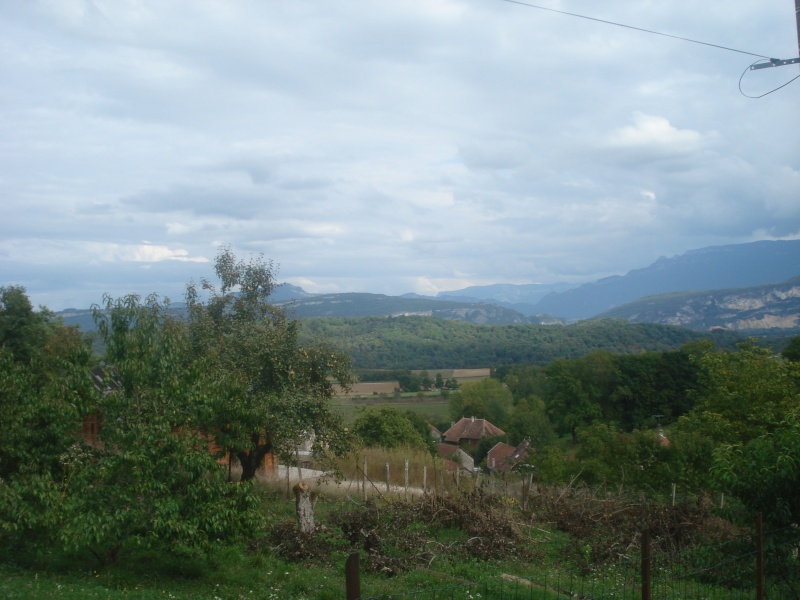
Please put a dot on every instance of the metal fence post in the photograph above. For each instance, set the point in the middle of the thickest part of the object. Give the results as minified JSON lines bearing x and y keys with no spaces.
{"x":759,"y":557}
{"x":352,"y":577}
{"x":646,"y":565}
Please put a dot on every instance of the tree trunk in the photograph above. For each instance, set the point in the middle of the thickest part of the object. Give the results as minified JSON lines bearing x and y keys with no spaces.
{"x":304,"y":505}
{"x":251,"y":460}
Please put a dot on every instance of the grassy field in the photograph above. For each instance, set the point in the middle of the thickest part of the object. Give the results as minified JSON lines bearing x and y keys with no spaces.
{"x":567,"y":545}
{"x":244,"y":572}
{"x":431,"y":405}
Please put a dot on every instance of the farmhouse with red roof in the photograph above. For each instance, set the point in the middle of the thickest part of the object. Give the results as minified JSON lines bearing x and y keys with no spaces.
{"x":470,"y":431}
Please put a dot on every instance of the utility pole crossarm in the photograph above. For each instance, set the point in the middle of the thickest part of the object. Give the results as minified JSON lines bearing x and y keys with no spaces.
{"x":775,"y":62}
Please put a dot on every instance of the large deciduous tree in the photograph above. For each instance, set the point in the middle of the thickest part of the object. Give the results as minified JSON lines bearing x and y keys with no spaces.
{"x":152,"y":481}
{"x":573,"y":400}
{"x":750,"y":408}
{"x":269,"y":393}
{"x":742,"y":395}
{"x":487,"y":399}
{"x":45,"y":389}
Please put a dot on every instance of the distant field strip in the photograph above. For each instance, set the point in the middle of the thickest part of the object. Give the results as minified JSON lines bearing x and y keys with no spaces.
{"x":360,"y":389}
{"x":460,"y":374}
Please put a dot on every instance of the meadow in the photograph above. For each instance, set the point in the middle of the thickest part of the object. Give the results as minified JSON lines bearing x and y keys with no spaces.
{"x":508,"y":537}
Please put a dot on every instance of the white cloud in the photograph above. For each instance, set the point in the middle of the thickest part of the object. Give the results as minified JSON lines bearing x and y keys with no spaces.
{"x":653,"y":131}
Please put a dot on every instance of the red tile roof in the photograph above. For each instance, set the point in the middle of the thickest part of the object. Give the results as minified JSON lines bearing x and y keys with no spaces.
{"x":471,"y":429}
{"x":447,"y":450}
{"x":498,"y":454}
{"x":503,"y":457}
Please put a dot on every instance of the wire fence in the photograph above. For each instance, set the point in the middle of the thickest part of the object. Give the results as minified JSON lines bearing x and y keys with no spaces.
{"x":757,"y":565}
{"x":748,"y":567}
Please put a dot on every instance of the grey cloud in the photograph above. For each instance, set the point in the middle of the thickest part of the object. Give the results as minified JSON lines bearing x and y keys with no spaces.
{"x":200,"y":202}
{"x":369,"y":146}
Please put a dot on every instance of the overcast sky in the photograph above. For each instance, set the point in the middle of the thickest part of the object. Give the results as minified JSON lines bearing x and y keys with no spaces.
{"x":388,"y":147}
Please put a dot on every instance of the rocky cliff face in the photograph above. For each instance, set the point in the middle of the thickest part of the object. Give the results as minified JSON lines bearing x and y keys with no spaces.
{"x":772,"y":306}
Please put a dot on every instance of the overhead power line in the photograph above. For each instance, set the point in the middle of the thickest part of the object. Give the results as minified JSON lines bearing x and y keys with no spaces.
{"x":676,"y":37}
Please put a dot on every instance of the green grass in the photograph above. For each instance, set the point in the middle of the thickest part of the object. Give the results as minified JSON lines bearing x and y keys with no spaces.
{"x":230,"y":573}
{"x":433,"y":407}
{"x":239,"y":572}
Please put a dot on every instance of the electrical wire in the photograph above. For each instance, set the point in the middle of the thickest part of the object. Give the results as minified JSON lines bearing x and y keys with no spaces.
{"x":561,"y":12}
{"x":765,"y":93}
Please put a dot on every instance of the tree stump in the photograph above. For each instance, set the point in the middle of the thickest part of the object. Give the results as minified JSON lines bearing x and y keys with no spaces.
{"x":304,"y":507}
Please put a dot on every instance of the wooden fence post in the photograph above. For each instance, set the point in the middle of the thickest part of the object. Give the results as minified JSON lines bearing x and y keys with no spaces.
{"x":406,"y":478}
{"x":646,"y":565}
{"x":425,"y":479}
{"x":365,"y":478}
{"x":759,"y":557}
{"x":387,"y":477}
{"x":352,"y":577}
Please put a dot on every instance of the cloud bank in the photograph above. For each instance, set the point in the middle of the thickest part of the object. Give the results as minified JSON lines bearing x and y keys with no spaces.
{"x":385,"y":147}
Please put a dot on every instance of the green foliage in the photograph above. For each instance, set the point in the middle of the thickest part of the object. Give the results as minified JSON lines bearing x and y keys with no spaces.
{"x":45,"y":390}
{"x":529,"y":421}
{"x":22,"y":330}
{"x":749,"y":411}
{"x":152,"y":482}
{"x":611,"y":457}
{"x":765,"y":471}
{"x":626,"y":389}
{"x":428,"y":343}
{"x":792,"y":350}
{"x":487,"y":399}
{"x":645,"y":385}
{"x":573,"y":401}
{"x":742,"y":395}
{"x":387,"y":427}
{"x":550,"y":466}
{"x":269,"y":393}
{"x":408,"y":381}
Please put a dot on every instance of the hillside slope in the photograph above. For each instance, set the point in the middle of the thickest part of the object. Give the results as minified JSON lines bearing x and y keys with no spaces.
{"x":764,"y":307}
{"x":363,"y":305}
{"x":425,"y":343}
{"x":713,"y":268}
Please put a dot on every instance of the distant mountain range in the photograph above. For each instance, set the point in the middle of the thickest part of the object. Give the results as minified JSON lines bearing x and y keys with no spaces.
{"x":771,"y":306}
{"x":753,"y":286}
{"x":713,"y":268}
{"x":521,"y":298}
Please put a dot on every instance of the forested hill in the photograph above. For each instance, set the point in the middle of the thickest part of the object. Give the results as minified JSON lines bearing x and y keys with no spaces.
{"x":362,"y":305}
{"x":427,"y":343}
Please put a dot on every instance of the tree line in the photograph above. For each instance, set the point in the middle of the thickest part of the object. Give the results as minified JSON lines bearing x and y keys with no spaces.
{"x":411,"y":342}
{"x":702,"y":418}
